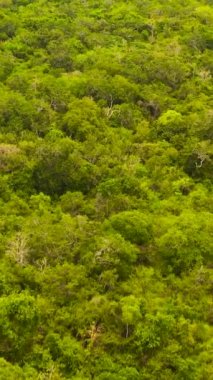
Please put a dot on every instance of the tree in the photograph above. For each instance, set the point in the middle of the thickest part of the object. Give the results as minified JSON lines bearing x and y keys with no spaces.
{"x":18,"y":323}
{"x":133,"y":226}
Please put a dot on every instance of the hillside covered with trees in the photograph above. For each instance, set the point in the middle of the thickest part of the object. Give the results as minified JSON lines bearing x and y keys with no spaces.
{"x":106,"y":189}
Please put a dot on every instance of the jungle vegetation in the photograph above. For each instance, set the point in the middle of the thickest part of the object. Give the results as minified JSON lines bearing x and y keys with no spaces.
{"x":106,"y":189}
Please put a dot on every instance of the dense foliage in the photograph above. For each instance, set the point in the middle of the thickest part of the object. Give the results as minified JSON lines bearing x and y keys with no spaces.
{"x":105,"y":189}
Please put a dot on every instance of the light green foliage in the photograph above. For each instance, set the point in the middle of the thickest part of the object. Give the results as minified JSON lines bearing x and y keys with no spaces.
{"x":106,"y":189}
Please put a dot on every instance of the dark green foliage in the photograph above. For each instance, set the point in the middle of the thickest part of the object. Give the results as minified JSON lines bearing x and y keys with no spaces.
{"x":133,"y":226}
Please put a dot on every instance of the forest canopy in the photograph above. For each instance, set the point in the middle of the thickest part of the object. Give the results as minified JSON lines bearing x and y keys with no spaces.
{"x":106,"y":189}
